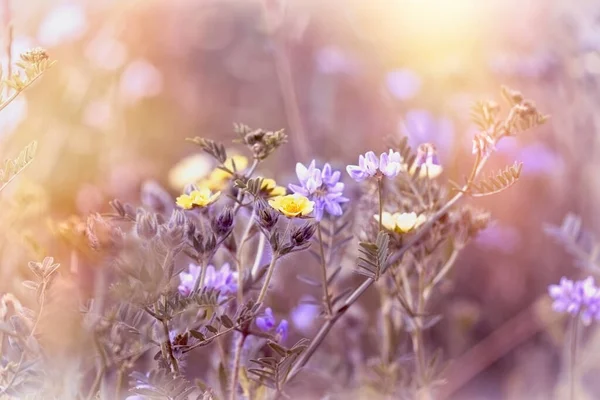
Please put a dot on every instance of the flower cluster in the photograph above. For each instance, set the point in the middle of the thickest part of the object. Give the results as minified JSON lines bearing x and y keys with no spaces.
{"x":225,"y":280}
{"x":389,"y":164}
{"x":323,"y":187}
{"x":266,"y":323}
{"x":401,"y":222}
{"x":578,"y":298}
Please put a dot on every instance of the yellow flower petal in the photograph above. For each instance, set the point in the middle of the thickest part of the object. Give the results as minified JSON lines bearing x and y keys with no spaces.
{"x":405,"y":221}
{"x":202,"y":197}
{"x":191,"y":169}
{"x":387,"y":220}
{"x":293,"y":205}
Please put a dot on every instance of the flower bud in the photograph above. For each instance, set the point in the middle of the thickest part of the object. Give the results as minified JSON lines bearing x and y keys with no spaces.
{"x":146,"y":224}
{"x":302,"y":234}
{"x":266,"y":216}
{"x":223,"y":223}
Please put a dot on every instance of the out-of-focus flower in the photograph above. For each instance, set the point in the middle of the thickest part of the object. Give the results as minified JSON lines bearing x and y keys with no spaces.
{"x":292,"y":205}
{"x":66,"y":22}
{"x":501,"y":238}
{"x":332,"y":60}
{"x":140,"y":80}
{"x":420,"y":126}
{"x":98,"y":115}
{"x":305,"y":314}
{"x":579,"y":298}
{"x":12,"y":115}
{"x":188,"y":279}
{"x":389,"y":164}
{"x":403,"y":84}
{"x":219,"y":178}
{"x":323,"y":187}
{"x":282,"y":330}
{"x":202,"y":197}
{"x":539,"y":159}
{"x":401,"y":222}
{"x":270,"y":189}
{"x":266,"y":322}
{"x":106,"y":52}
{"x":191,"y":169}
{"x":428,"y":161}
{"x":224,"y":280}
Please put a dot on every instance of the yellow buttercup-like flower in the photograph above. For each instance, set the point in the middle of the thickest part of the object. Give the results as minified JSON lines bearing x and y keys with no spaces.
{"x":292,"y":205}
{"x":401,"y":222}
{"x":270,"y":188}
{"x":198,"y":198}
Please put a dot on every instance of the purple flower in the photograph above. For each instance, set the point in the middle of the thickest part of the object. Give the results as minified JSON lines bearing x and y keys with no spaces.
{"x":282,"y":330}
{"x":427,"y":160}
{"x":266,"y":322}
{"x":224,"y":279}
{"x":421,"y":126}
{"x":187,"y":279}
{"x":321,"y":186}
{"x":389,"y":164}
{"x":579,"y":298}
{"x":403,"y":84}
{"x":304,"y":315}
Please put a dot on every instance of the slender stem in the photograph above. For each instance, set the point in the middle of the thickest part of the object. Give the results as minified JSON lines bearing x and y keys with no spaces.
{"x":417,"y":341}
{"x":101,"y":369}
{"x":326,"y":298}
{"x":119,"y":382}
{"x":169,"y":348}
{"x":259,"y":254}
{"x":265,"y":286}
{"x":240,"y":255}
{"x":200,"y":281}
{"x":380,"y":193}
{"x":574,"y":339}
{"x":442,"y":274}
{"x":240,"y":196}
{"x":237,"y":355}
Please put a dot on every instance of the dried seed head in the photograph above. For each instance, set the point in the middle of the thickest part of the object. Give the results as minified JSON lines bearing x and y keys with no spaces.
{"x":34,"y":55}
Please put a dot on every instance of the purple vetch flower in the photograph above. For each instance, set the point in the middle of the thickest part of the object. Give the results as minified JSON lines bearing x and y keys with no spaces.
{"x":321,"y":186}
{"x":540,"y":159}
{"x":266,"y":322}
{"x":225,"y":280}
{"x":187,"y":279}
{"x":427,"y":159}
{"x":282,"y":330}
{"x":389,"y":164}
{"x":578,"y":298}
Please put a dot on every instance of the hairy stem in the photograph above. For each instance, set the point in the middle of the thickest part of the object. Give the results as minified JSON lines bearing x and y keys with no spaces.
{"x":237,"y":355}
{"x":326,"y":299}
{"x":169,"y":348}
{"x":119,"y":382}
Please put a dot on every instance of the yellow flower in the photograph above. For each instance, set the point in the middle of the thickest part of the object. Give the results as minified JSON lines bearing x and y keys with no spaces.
{"x":428,"y":170}
{"x":241,"y":163}
{"x":401,"y":222}
{"x":270,"y":188}
{"x":189,"y":170}
{"x":198,"y":198}
{"x":292,"y":205}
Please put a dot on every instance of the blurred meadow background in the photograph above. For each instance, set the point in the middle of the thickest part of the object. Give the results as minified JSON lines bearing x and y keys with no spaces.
{"x":134,"y":79}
